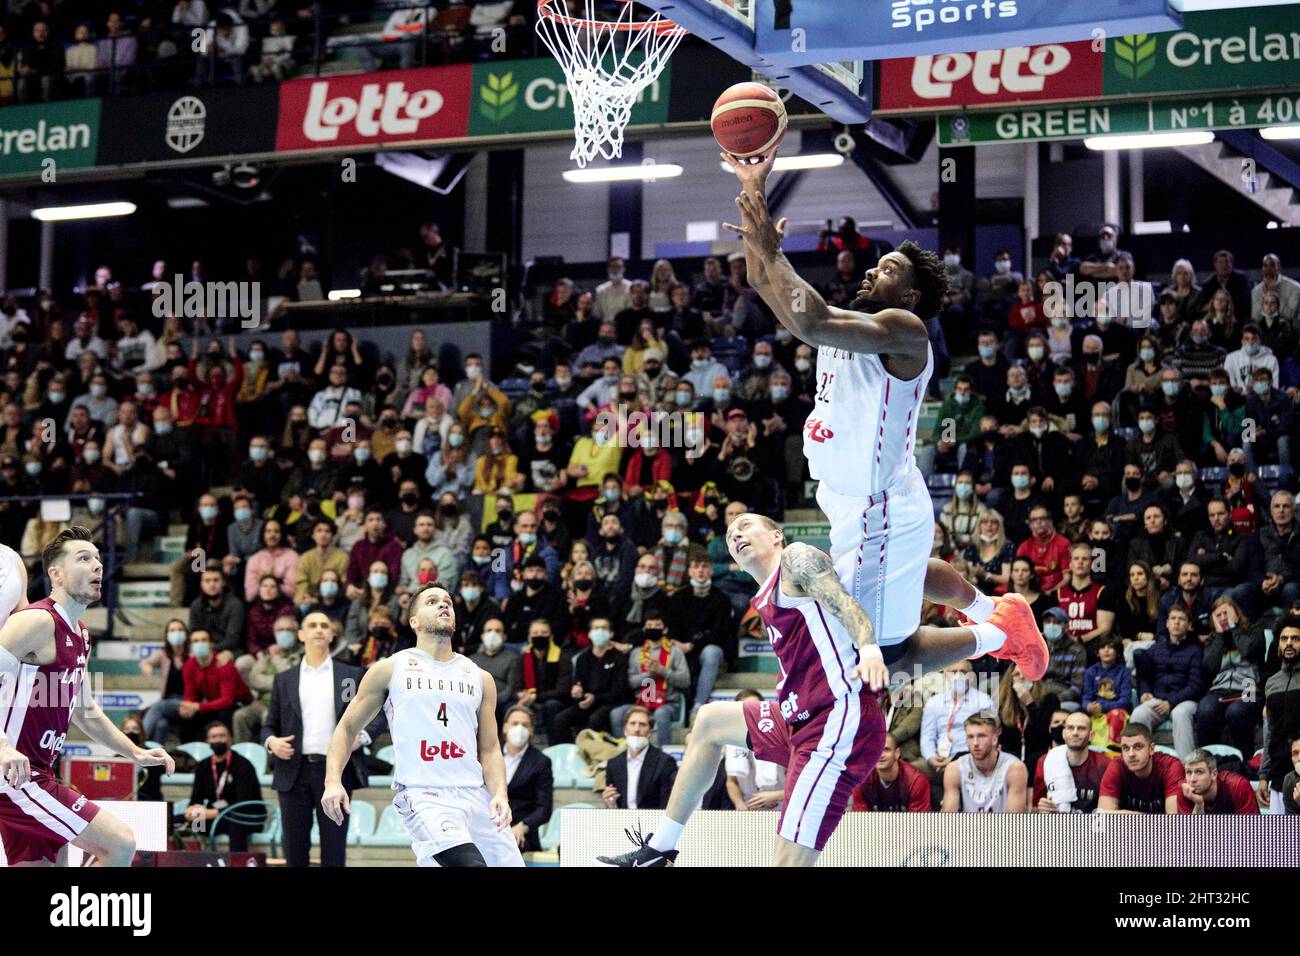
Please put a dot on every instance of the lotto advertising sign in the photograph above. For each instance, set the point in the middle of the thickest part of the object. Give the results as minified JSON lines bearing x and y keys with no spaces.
{"x":1251,"y":48}
{"x":375,"y":109}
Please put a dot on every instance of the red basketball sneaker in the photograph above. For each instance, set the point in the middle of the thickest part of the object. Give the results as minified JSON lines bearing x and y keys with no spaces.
{"x":1024,"y":644}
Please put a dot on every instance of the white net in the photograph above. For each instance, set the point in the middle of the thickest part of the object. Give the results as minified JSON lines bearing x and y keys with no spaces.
{"x":609,"y":57}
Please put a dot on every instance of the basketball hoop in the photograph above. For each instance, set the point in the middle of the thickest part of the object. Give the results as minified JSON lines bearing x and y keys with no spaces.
{"x":607,"y":64}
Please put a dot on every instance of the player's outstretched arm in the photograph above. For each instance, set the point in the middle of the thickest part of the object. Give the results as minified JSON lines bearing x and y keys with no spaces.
{"x":489,"y":753}
{"x":94,"y":723}
{"x":801,"y":307}
{"x":811,"y":571}
{"x":360,"y":711}
{"x":25,"y":638}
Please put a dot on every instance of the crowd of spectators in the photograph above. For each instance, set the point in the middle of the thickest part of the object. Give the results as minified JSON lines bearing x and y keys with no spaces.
{"x":1131,"y":479}
{"x":57,"y":49}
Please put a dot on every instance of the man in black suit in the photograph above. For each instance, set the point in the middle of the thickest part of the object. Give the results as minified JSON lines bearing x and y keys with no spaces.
{"x":306,"y":703}
{"x":529,"y":780}
{"x":641,"y":777}
{"x":222,"y":781}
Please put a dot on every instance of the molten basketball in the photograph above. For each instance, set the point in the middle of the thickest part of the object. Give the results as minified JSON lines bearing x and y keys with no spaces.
{"x":748,"y":120}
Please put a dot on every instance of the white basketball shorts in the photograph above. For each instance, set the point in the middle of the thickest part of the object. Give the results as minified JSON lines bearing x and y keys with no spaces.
{"x":881,"y":545}
{"x":440,"y":819}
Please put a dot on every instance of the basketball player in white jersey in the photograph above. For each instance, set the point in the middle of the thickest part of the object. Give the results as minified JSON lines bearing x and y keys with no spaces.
{"x":448,"y":770}
{"x":873,"y":364}
{"x":13,"y":583}
{"x":984,"y":779}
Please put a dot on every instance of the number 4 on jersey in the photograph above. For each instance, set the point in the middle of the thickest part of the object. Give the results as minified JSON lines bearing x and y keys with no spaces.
{"x":442,"y":714}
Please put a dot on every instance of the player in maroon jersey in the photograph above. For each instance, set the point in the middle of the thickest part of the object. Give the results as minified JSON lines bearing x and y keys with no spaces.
{"x":44,"y":650}
{"x":1142,"y":780}
{"x":1086,"y":766}
{"x":893,"y":785}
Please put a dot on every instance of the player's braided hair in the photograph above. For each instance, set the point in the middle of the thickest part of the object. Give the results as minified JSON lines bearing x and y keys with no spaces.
{"x":928,"y":278}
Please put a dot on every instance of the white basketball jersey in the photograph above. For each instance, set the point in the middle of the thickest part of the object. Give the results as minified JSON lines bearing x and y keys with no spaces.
{"x":980,"y":793}
{"x":861,"y":436}
{"x":432,"y":711}
{"x":11,"y":582}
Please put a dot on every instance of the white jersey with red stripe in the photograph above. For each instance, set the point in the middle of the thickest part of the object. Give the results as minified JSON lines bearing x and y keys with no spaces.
{"x":432,"y":711}
{"x":861,"y":436}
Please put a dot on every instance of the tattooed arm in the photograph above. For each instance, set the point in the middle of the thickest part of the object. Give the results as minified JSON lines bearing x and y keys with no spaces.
{"x":809,"y":571}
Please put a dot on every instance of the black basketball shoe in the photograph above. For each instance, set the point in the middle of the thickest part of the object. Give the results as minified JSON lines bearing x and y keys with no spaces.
{"x":643,"y":856}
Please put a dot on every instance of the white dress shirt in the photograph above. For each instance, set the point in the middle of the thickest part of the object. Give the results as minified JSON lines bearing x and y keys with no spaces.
{"x":316,"y":699}
{"x":634,"y":765}
{"x":512,"y":762}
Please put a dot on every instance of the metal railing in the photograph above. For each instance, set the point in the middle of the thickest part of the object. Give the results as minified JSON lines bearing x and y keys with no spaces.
{"x":115,"y":505}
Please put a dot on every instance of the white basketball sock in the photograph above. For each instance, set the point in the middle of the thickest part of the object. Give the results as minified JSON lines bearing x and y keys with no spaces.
{"x":666,"y":837}
{"x":988,"y":637}
{"x":981,"y":608}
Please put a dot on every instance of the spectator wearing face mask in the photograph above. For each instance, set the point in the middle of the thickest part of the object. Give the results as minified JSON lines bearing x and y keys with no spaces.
{"x":223,"y":780}
{"x":641,"y":777}
{"x":704,"y":623}
{"x":599,"y":685}
{"x":259,"y":672}
{"x":425,"y":547}
{"x":1000,"y":285}
{"x":503,"y":663}
{"x":268,"y":605}
{"x":943,"y":737}
{"x":168,"y":662}
{"x":1067,"y":658}
{"x":527,"y":544}
{"x":1273,"y":413}
{"x":529,"y":780}
{"x":259,"y":475}
{"x":313,"y":564}
{"x":958,"y":425}
{"x":213,"y":690}
{"x":533,"y":598}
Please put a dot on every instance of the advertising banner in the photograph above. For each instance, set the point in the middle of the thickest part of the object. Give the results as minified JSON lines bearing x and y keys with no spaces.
{"x":66,"y":133}
{"x":198,"y":123}
{"x":375,"y":109}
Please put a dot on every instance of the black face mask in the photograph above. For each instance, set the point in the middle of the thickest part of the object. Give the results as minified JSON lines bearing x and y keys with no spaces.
{"x":136,"y":738}
{"x":551,"y":516}
{"x":1132,"y":484}
{"x":1057,"y":734}
{"x":539,"y":643}
{"x":534,"y":584}
{"x":450,"y":511}
{"x":582,"y":584}
{"x":505,"y":515}
{"x":653,"y":633}
{"x":990,"y":436}
{"x":410,"y":499}
{"x":1237,"y":469}
{"x":220,"y":750}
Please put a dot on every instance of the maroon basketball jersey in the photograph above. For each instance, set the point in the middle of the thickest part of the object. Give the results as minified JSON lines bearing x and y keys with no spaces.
{"x":40,"y":701}
{"x":815,"y":653}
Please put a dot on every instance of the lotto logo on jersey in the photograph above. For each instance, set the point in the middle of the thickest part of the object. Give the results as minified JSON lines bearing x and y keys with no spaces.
{"x":445,"y":751}
{"x":765,"y":722}
{"x":817,"y":430}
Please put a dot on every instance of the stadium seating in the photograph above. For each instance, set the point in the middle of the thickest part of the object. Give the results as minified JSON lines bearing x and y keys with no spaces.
{"x":257,"y":755}
{"x":389,"y":831}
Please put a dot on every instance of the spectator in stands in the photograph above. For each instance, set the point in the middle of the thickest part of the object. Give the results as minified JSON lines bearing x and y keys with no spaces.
{"x":213,"y":689}
{"x":1253,"y":355}
{"x":988,"y":373}
{"x":529,"y":780}
{"x":702,"y":619}
{"x":960,"y":516}
{"x":547,"y":672}
{"x":1158,"y":545}
{"x":1135,"y":606}
{"x":377,"y":545}
{"x":1277,"y":784}
{"x":960,"y":279}
{"x":984,"y":779}
{"x":754,"y":784}
{"x":1207,"y":789}
{"x":1045,"y":548}
{"x":892,"y":785}
{"x":1107,"y":691}
{"x":1074,"y":524}
{"x":1024,"y":714}
{"x":268,"y":604}
{"x":942,"y":735}
{"x":1086,"y":768}
{"x":1080,"y":597}
{"x":162,"y":717}
{"x":219,"y":613}
{"x":1067,"y":659}
{"x":1196,"y":356}
{"x":1190,"y":593}
{"x":259,"y":475}
{"x":1281,"y":545}
{"x":1231,"y":563}
{"x":615,"y":295}
{"x":599,"y":685}
{"x":424,"y":546}
{"x":990,"y":554}
{"x":1273,"y":414}
{"x":1284,"y":287}
{"x":657,"y":674}
{"x":1229,"y":279}
{"x":232,"y":780}
{"x":640,"y":777}
{"x":313,"y":564}
{"x":1185,"y":292}
{"x":273,"y":558}
{"x":708,"y":294}
{"x":259,"y":674}
{"x":959,"y":422}
{"x":1101,"y":265}
{"x":1232,"y":658}
{"x":536,"y":598}
{"x":1142,"y":780}
{"x":1185,"y":502}
{"x":503,"y":663}
{"x":332,"y":601}
{"x":38,"y":66}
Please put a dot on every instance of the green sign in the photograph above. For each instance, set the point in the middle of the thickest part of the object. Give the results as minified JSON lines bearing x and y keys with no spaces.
{"x":531,"y":96}
{"x":1077,"y":120}
{"x":1220,"y":49}
{"x":65,"y":133}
